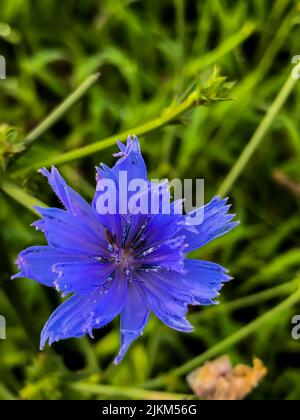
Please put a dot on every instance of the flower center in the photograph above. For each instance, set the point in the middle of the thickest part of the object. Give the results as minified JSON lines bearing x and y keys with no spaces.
{"x":130,"y":257}
{"x":123,"y":258}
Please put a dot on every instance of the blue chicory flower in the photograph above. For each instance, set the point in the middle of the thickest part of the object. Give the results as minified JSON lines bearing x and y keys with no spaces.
{"x":127,"y":265}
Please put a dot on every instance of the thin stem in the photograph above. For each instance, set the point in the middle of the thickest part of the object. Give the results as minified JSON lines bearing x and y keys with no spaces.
{"x":166,"y":117}
{"x":126,"y":392}
{"x":259,"y":134}
{"x":214,"y":56}
{"x":21,"y":196}
{"x":5,"y":394}
{"x":254,"y":299}
{"x":153,"y":348}
{"x":90,"y":356}
{"x":233,"y":339}
{"x":181,"y":32}
{"x":58,"y":112}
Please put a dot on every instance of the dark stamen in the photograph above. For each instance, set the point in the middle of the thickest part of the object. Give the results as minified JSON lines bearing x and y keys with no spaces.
{"x":109,"y":279}
{"x":109,"y":237}
{"x":126,"y":230}
{"x":139,"y":236}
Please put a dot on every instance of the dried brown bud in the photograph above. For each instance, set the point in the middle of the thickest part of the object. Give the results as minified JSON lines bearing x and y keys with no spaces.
{"x":219,"y":380}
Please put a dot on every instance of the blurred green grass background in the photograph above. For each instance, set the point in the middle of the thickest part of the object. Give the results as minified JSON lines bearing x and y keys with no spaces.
{"x":148,"y":54}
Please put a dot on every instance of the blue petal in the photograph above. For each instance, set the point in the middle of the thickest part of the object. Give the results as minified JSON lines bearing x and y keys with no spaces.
{"x":160,"y":227}
{"x":80,"y":314}
{"x":81,"y":276}
{"x":36,"y":263}
{"x":70,"y":233}
{"x":132,"y":160}
{"x":155,"y":226}
{"x":171,"y":283}
{"x":132,"y":163}
{"x":57,"y":183}
{"x":169,"y":254}
{"x":105,"y":172}
{"x":204,"y":279}
{"x":169,"y":293}
{"x":163,"y":227}
{"x":171,"y":310}
{"x":69,"y":198}
{"x":134,"y":318}
{"x":216,"y":223}
{"x":111,"y":221}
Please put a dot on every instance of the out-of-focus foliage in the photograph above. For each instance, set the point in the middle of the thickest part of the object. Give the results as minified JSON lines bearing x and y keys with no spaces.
{"x":10,"y":143}
{"x":151,"y":54}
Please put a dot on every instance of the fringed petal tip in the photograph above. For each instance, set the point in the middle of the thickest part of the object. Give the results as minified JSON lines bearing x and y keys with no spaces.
{"x":227,"y":278}
{"x":20,"y":262}
{"x":117,"y":360}
{"x":127,"y":338}
{"x":211,"y":221}
{"x":104,"y":172}
{"x":44,"y":339}
{"x":38,"y":225}
{"x":121,"y":355}
{"x":47,"y":339}
{"x":57,"y":183}
{"x":42,"y":346}
{"x":236,"y":223}
{"x":52,"y":169}
{"x":49,"y":174}
{"x":18,"y":275}
{"x":44,"y":171}
{"x":122,"y":149}
{"x":132,"y":144}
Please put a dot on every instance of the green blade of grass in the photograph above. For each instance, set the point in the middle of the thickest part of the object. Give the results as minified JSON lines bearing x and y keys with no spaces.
{"x":5,"y":394}
{"x":247,"y":301}
{"x":55,"y":115}
{"x":58,"y":112}
{"x":154,"y":124}
{"x":214,"y":56}
{"x":125,"y":392}
{"x":199,"y":97}
{"x":259,"y":134}
{"x":21,"y":196}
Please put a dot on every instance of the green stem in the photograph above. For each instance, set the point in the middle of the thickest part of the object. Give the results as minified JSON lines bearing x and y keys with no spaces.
{"x":126,"y":392}
{"x":259,"y":134}
{"x":254,"y":299}
{"x":90,"y":356}
{"x":21,"y":196}
{"x":58,"y":112}
{"x":166,"y":117}
{"x":227,"y":343}
{"x":5,"y":394}
{"x":214,"y":56}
